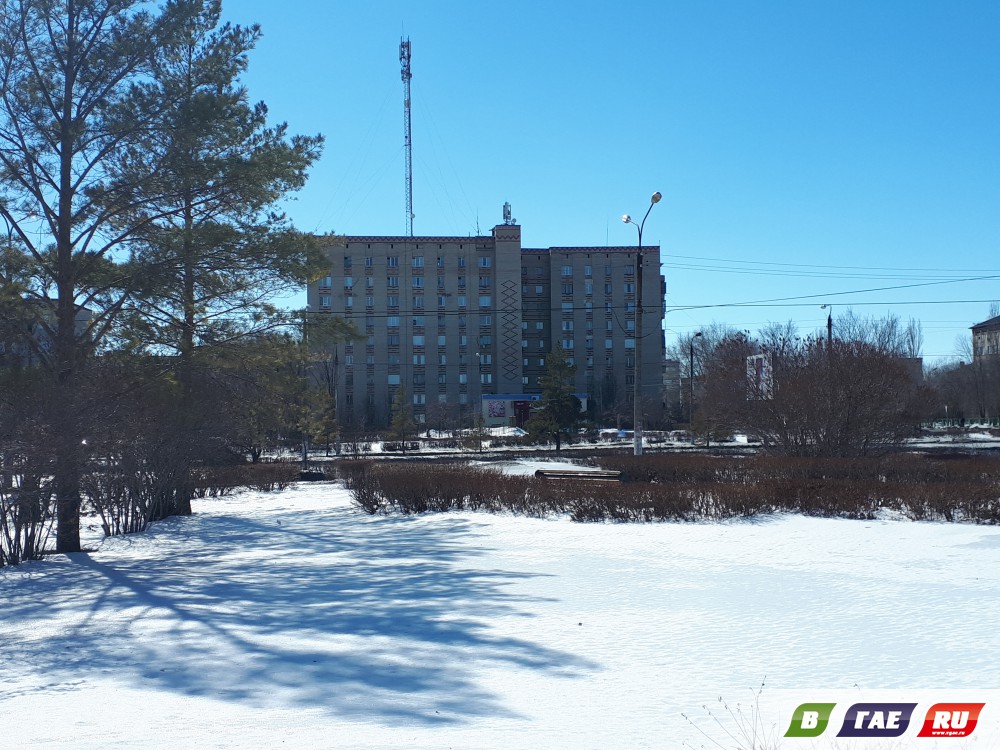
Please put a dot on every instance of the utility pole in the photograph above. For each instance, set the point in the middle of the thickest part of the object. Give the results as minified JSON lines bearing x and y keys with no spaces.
{"x":404,"y":60}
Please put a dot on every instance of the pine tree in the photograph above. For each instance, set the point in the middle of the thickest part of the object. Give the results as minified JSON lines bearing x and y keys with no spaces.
{"x":74,"y":117}
{"x":557,"y":413}
{"x":220,"y":248}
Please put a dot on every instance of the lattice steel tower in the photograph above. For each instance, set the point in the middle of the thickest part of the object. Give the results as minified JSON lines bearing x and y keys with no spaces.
{"x":404,"y":60}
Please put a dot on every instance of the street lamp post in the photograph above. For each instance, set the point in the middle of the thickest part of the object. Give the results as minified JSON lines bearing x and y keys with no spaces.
{"x":691,"y":382}
{"x":637,"y":368}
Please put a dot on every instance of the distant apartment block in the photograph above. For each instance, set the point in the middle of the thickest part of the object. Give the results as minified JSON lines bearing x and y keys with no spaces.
{"x":465,"y":324}
{"x":986,"y":338}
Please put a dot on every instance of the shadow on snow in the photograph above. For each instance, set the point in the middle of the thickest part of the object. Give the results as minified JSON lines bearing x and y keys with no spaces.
{"x":366,"y":617}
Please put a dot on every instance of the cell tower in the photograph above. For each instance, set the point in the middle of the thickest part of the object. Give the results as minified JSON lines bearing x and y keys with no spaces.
{"x":404,"y":61}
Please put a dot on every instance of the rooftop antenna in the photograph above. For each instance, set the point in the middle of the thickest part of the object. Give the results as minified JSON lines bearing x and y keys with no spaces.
{"x":404,"y":61}
{"x":508,"y":220}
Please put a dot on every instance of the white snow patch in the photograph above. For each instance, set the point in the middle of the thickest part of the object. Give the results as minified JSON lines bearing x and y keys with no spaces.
{"x":292,"y":619}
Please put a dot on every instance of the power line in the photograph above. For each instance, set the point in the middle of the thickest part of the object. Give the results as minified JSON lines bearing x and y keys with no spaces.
{"x":849,"y":268}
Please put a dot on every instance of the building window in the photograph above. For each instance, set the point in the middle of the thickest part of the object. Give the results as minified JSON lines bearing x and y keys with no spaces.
{"x":392,"y":261}
{"x":419,"y":378}
{"x":442,"y":359}
{"x":326,"y":282}
{"x":440,"y":263}
{"x":486,"y":340}
{"x":369,"y":301}
{"x":461,"y":300}
{"x":567,"y":325}
{"x":418,"y":321}
{"x":630,"y":343}
{"x":419,"y":399}
{"x":567,"y":288}
{"x":486,"y":378}
{"x":440,"y":282}
{"x":418,"y":261}
{"x":629,"y":287}
{"x":418,"y":301}
{"x":539,"y":325}
{"x":539,"y":289}
{"x":392,"y":339}
{"x":417,"y":282}
{"x":463,"y":378}
{"x":392,"y":300}
{"x":588,"y":271}
{"x":461,"y":262}
{"x":609,"y":343}
{"x":568,"y":344}
{"x":486,"y":359}
{"x":392,"y":282}
{"x":485,"y":300}
{"x":485,"y":320}
{"x":442,"y":300}
{"x":369,"y":262}
{"x":442,"y":379}
{"x":348,"y":282}
{"x":348,"y":302}
{"x":324,"y":300}
{"x":567,"y":307}
{"x":394,"y":378}
{"x":392,"y":321}
{"x":418,"y":340}
{"x":629,"y":325}
{"x":566,"y":272}
{"x":442,"y":341}
{"x":485,"y":261}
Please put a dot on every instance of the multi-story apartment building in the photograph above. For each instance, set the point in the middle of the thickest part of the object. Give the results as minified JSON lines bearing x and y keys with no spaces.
{"x":465,"y":324}
{"x":986,"y":338}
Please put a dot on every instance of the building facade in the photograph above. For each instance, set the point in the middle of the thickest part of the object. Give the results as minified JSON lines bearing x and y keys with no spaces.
{"x":986,"y":338}
{"x":463,"y":325}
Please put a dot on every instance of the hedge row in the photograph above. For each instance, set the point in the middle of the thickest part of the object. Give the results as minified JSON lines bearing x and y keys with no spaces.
{"x":688,"y":488}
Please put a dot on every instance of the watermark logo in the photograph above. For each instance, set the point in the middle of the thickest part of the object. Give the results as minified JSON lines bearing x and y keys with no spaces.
{"x":877,"y":720}
{"x":951,"y":720}
{"x":810,"y":720}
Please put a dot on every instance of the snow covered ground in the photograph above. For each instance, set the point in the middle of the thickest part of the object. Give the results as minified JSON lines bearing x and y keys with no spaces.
{"x":292,"y":620}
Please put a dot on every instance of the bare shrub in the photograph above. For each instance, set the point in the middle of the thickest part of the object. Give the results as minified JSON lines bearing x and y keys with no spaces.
{"x":672,"y":487}
{"x":26,"y":517}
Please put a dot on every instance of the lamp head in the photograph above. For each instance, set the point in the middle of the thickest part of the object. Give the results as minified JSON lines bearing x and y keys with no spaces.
{"x":627,"y":219}
{"x":656,"y":197}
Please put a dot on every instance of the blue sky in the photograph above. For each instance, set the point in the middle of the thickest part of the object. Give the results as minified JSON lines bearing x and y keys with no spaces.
{"x":803,"y":149}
